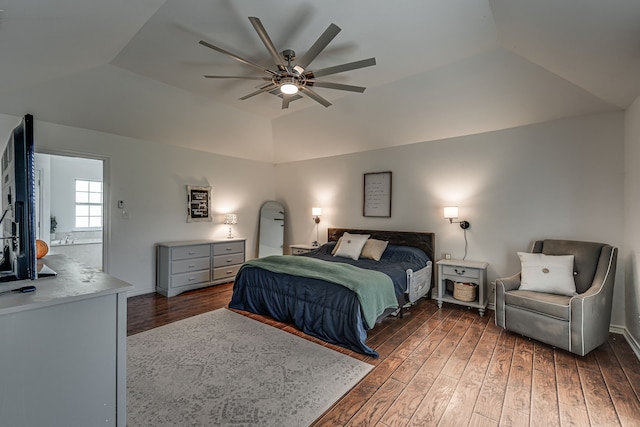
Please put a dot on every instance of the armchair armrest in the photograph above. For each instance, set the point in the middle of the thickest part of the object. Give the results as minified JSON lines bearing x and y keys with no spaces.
{"x":591,"y":310}
{"x":503,"y":285}
{"x":509,"y":283}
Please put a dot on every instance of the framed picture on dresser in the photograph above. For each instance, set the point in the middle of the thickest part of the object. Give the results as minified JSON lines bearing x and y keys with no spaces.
{"x":198,"y":203}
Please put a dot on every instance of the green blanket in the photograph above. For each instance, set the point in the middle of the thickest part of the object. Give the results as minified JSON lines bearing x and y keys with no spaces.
{"x":374,"y":289}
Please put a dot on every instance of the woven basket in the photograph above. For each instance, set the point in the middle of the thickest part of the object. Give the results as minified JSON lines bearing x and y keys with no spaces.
{"x":464,"y":291}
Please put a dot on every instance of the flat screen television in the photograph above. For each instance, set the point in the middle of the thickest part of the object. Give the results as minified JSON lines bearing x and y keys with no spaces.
{"x":18,"y":205}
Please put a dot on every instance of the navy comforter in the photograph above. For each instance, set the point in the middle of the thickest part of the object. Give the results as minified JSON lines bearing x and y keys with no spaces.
{"x":322,"y":309}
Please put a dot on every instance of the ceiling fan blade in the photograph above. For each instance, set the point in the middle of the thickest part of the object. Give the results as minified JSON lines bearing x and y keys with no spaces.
{"x":313,"y":95}
{"x":285,"y":101}
{"x":266,"y":79}
{"x":337,"y":86}
{"x":236,"y":57}
{"x":341,"y":68}
{"x":263,"y":89}
{"x":262,"y":33}
{"x":319,"y":45}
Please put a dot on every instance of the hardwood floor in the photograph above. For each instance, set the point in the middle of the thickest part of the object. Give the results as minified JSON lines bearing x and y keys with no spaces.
{"x":451,"y":367}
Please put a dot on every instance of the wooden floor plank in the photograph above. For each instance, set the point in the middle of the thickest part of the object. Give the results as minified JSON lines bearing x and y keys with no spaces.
{"x":494,"y":387}
{"x":622,"y":394}
{"x":371,"y":412}
{"x":453,"y":367}
{"x":518,"y":396}
{"x":400,"y":412}
{"x":434,"y":403}
{"x":513,"y":418}
{"x":478,"y":420}
{"x":628,"y":361}
{"x":573,"y":416}
{"x":599,"y":404}
{"x":544,"y":399}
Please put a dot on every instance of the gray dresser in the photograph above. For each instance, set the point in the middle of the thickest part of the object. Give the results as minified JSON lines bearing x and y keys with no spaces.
{"x":183,"y":266}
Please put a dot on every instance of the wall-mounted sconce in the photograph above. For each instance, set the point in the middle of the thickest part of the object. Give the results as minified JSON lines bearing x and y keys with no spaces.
{"x":230,"y":219}
{"x":451,"y":213}
{"x":316,"y":212}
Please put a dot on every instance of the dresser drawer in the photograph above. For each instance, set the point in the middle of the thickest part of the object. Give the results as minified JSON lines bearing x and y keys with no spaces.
{"x":189,"y":278}
{"x":186,"y":252}
{"x":228,"y":248}
{"x":231,"y":259}
{"x":225,"y":272}
{"x":462,"y":272}
{"x":187,"y":265}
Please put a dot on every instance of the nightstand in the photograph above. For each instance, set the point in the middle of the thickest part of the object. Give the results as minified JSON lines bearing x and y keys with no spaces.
{"x":302,"y":249}
{"x":457,"y":270}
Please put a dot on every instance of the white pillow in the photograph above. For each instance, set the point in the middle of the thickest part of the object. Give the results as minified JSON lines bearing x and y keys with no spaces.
{"x":335,"y":248}
{"x":552,"y":274}
{"x":351,"y":245}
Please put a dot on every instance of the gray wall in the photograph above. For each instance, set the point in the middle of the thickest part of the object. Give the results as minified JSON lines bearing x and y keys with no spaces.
{"x":631,"y":255}
{"x":561,"y":179}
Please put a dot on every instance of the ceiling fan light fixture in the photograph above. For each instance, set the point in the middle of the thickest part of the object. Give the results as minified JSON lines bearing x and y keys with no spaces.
{"x":288,"y":86}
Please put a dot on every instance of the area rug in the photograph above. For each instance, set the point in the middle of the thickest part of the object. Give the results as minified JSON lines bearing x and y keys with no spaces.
{"x":224,"y":369}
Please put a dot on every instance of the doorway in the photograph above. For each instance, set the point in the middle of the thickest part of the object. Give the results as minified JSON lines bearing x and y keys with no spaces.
{"x":71,"y":212}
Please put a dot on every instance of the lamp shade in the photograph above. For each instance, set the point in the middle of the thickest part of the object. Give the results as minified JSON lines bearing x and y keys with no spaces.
{"x":316,"y":211}
{"x":450,"y":212}
{"x":230,"y":218}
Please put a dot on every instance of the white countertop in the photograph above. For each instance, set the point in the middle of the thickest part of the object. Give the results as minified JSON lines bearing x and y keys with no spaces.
{"x":74,"y":281}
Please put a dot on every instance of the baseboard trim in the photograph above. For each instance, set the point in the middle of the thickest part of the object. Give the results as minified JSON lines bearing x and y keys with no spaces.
{"x":137,"y":291}
{"x":617,"y":329}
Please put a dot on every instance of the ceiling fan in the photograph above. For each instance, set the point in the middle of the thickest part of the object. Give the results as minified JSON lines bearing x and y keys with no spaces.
{"x":292,"y":79}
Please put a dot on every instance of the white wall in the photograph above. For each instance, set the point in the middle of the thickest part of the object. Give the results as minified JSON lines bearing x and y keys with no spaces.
{"x":151,"y":179}
{"x":561,"y":179}
{"x":631,"y":257}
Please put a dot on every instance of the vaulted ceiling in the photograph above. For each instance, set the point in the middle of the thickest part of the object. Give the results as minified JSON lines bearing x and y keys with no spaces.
{"x":444,"y":68}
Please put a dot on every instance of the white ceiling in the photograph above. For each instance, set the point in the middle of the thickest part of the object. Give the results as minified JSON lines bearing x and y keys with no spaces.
{"x":444,"y":68}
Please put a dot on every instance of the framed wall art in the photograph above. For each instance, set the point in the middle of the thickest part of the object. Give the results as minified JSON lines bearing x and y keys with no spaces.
{"x":377,"y":194}
{"x":198,"y":203}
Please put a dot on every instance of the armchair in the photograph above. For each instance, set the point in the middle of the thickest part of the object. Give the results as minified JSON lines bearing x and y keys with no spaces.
{"x":577,"y":323}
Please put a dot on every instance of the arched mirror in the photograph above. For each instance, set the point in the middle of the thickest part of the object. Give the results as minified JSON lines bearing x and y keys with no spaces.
{"x":271,"y":229}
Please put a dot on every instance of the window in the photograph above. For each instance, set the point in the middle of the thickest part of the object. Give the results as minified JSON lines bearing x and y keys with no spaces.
{"x":88,"y":204}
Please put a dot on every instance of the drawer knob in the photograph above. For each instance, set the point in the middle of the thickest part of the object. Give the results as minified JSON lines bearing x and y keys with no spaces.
{"x":459,"y":272}
{"x":228,"y":249}
{"x":230,"y":271}
{"x":191,"y":253}
{"x":191,"y":265}
{"x":229,"y":260}
{"x":191,"y":279}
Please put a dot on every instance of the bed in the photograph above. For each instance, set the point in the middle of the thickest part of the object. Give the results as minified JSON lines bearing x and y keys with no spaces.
{"x":338,"y":299}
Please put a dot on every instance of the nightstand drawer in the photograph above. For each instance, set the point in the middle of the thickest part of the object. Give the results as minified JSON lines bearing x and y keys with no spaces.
{"x":187,"y":265}
{"x":462,"y":272}
{"x":225,"y":260}
{"x":228,"y":248}
{"x":186,"y":252}
{"x":297,"y":251}
{"x":225,"y":272}
{"x":190,"y":278}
